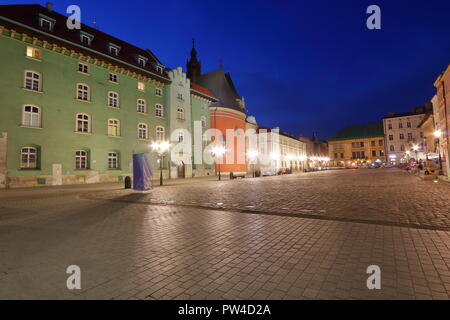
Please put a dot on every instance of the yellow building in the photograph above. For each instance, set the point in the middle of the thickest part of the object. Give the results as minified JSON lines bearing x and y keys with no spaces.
{"x":357,"y":145}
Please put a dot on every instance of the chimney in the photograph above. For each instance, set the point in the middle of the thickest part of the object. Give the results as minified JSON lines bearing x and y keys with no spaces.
{"x":49,"y":6}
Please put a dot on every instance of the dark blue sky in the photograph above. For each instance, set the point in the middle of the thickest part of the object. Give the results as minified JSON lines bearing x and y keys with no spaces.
{"x":304,"y":65}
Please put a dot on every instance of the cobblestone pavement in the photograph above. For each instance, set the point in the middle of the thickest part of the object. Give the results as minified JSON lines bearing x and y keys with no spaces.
{"x":384,"y":196}
{"x":138,"y":251}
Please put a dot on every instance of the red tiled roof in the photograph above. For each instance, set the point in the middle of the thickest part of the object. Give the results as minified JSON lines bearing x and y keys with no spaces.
{"x":200,"y":89}
{"x":27,"y":15}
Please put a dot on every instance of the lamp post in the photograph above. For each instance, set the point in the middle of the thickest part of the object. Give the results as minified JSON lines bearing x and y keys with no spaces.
{"x":160,"y":147}
{"x":252,"y":155}
{"x":218,"y":151}
{"x":437,"y":135}
{"x":416,"y":148}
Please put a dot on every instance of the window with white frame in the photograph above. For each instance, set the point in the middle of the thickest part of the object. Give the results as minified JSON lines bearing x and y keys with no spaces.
{"x":159,"y":133}
{"x":31,"y":116}
{"x":159,"y":69}
{"x":83,"y":92}
{"x":85,"y":39}
{"x":181,"y":136}
{"x":141,"y":106}
{"x":81,"y":160}
{"x":203,"y":120}
{"x":159,"y":110}
{"x":142,"y":62}
{"x":28,"y":158}
{"x":113,"y":160}
{"x":141,"y":86}
{"x":180,"y":96}
{"x":180,"y":113}
{"x":113,"y":127}
{"x":83,"y":123}
{"x":113,"y":99}
{"x":32,"y":80}
{"x":142,"y":131}
{"x":33,"y":53}
{"x":114,"y":50}
{"x":46,"y":24}
{"x":158,"y":92}
{"x":113,"y":77}
{"x":83,"y":68}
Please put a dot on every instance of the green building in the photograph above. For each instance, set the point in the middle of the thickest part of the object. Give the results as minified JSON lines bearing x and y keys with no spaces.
{"x":76,"y":104}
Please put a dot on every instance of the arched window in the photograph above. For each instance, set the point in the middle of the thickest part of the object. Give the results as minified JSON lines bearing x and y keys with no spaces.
{"x":180,"y":113}
{"x":203,"y":120}
{"x":141,"y":106}
{"x":113,"y":127}
{"x":33,"y":80}
{"x":31,"y":116}
{"x":83,"y":123}
{"x":391,"y":148}
{"x":83,"y":92}
{"x":29,"y":158}
{"x":113,"y":99}
{"x":159,"y":133}
{"x":113,"y":160}
{"x":159,"y":110}
{"x":142,"y":131}
{"x":81,"y":160}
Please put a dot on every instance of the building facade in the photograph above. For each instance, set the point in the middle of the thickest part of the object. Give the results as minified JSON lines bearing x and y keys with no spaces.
{"x":402,"y":133}
{"x":227,"y":113}
{"x":357,"y":145}
{"x":442,"y":117}
{"x":76,"y":103}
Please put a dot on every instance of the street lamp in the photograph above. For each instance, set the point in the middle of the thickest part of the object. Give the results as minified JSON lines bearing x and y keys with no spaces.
{"x":160,"y":147}
{"x":218,"y":151}
{"x":438,"y":135}
{"x":252,"y":155}
{"x":416,"y":148}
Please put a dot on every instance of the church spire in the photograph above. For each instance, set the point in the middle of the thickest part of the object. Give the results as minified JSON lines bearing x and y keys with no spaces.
{"x":193,"y":65}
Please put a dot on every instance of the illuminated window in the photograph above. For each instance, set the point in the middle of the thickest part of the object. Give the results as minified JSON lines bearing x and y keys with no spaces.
{"x":141,"y":86}
{"x":33,"y":53}
{"x":113,"y":128}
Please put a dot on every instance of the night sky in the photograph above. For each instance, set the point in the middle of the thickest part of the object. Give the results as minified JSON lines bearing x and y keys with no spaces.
{"x":302,"y":65}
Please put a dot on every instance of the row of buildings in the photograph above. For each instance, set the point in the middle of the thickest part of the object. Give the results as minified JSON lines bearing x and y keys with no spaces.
{"x":419,"y":135}
{"x":77,"y":104}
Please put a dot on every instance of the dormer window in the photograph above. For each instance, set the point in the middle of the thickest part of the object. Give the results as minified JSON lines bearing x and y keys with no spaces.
{"x":114,"y":50}
{"x":142,"y":61}
{"x":46,"y":23}
{"x":159,"y":69}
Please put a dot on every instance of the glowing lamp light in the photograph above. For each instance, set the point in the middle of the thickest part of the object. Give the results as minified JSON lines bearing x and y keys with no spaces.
{"x":218,"y":151}
{"x":252,"y":154}
{"x":408,"y":152}
{"x":274,"y":155}
{"x":415,"y":147}
{"x":290,"y":157}
{"x":437,"y":133}
{"x":303,"y":158}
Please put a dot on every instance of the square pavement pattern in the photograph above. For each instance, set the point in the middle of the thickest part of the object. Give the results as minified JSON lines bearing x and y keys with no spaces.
{"x":305,"y":236}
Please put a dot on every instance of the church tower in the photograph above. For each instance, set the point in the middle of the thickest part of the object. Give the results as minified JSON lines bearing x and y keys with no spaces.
{"x":194,"y":67}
